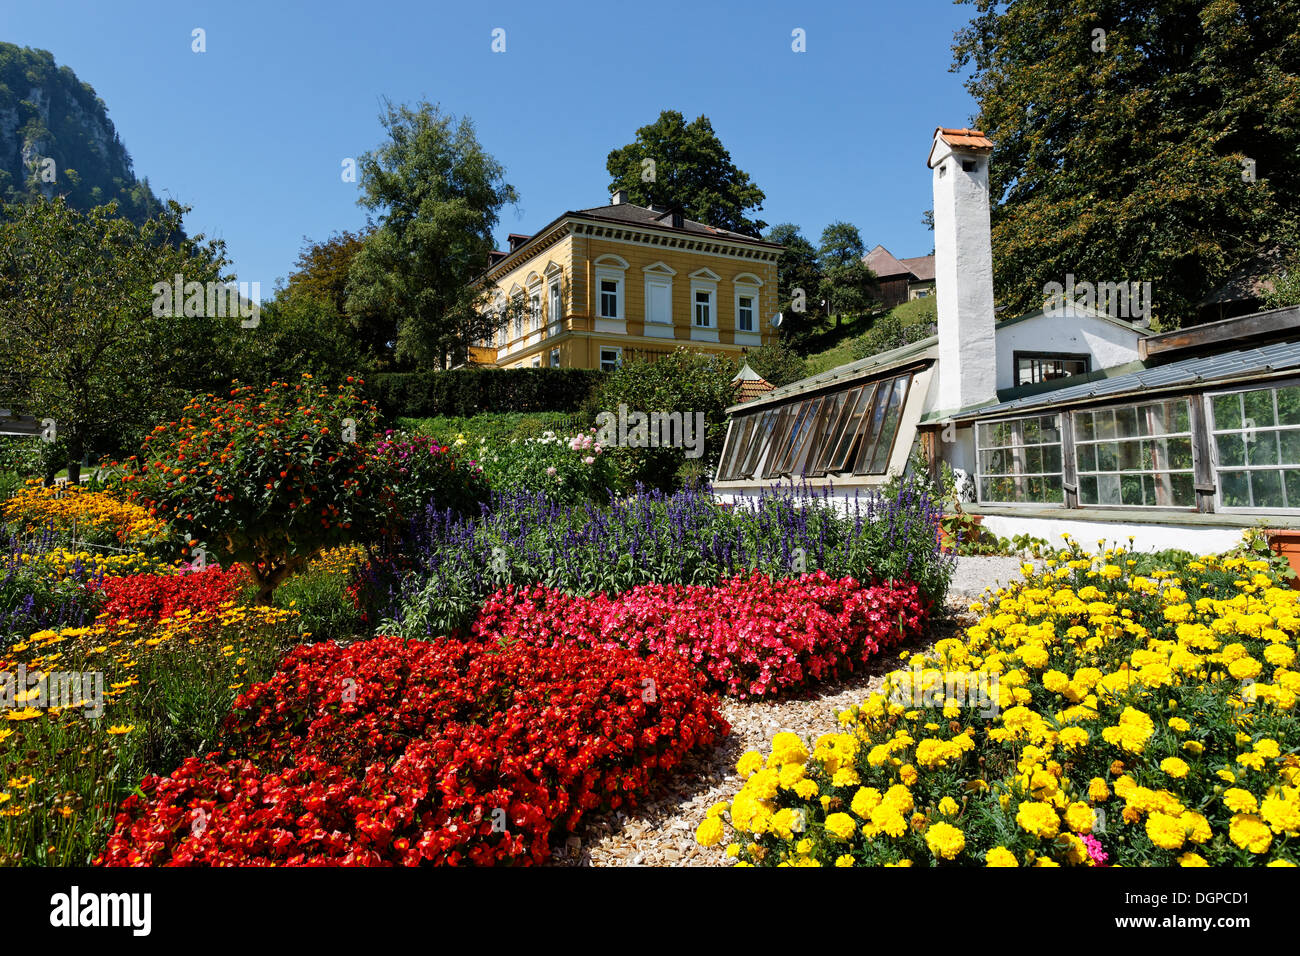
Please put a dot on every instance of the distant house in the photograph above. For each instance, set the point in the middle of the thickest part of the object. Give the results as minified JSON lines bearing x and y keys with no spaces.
{"x":598,"y":286}
{"x":901,"y":280}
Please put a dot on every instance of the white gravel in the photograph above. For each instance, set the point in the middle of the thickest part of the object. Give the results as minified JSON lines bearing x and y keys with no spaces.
{"x":972,"y":576}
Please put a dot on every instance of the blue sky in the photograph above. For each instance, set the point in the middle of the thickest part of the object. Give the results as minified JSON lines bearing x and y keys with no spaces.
{"x":252,"y":133}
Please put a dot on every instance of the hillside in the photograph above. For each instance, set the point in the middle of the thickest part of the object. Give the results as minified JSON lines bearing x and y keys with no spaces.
{"x":47,"y":113}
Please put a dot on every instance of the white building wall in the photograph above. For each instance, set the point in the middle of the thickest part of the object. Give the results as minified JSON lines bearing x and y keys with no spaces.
{"x":1197,"y":539}
{"x":1108,"y":344}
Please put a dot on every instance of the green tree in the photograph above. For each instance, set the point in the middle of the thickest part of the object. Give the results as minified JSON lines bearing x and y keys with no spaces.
{"x":1127,"y":134}
{"x":798,"y":282}
{"x":672,"y":163}
{"x":438,"y":195}
{"x":777,"y":362}
{"x":79,"y":325}
{"x":684,"y":382}
{"x":847,"y":282}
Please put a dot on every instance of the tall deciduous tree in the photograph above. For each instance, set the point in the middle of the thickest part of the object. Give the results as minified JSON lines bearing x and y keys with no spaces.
{"x":847,"y":281}
{"x":673,"y":163}
{"x":79,"y":325}
{"x":798,"y":281}
{"x":1136,"y":140}
{"x":437,"y":194}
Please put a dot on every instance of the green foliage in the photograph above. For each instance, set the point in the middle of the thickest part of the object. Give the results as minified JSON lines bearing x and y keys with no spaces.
{"x":886,"y":333}
{"x":692,"y":170}
{"x":326,"y":611}
{"x":438,"y":196}
{"x":777,"y":362}
{"x":797,"y":269}
{"x":1125,"y":162}
{"x":684,"y":382}
{"x":70,"y":125}
{"x":420,"y":471}
{"x":298,"y":334}
{"x":847,"y":284}
{"x":266,"y":478}
{"x":1286,"y":287}
{"x":567,"y":468}
{"x":493,"y":428}
{"x":83,"y":344}
{"x":471,"y":391}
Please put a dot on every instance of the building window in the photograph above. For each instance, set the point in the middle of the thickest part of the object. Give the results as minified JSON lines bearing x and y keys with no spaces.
{"x":555,"y":358}
{"x":851,"y":430}
{"x":519,"y":318}
{"x":610,"y":359}
{"x":535,"y":311}
{"x":1257,"y":448}
{"x":1136,"y":455}
{"x":537,"y":361}
{"x":1034,"y":367}
{"x":557,"y":306}
{"x":1020,"y":460}
{"x":745,"y":312}
{"x":703,"y":309}
{"x":609,"y":296}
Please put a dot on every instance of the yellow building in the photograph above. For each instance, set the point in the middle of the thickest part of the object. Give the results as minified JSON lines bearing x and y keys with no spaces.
{"x":599,"y":286}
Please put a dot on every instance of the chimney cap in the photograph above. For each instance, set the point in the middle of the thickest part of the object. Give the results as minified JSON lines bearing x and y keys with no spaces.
{"x":960,"y":140}
{"x":618,"y":198}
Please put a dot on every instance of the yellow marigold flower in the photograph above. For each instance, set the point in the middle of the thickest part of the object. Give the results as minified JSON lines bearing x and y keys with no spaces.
{"x":1250,"y":833}
{"x":1174,"y":767}
{"x":1194,"y":747}
{"x":1000,"y":856}
{"x":948,"y":807}
{"x":1098,"y":792}
{"x":864,"y":801}
{"x":840,"y":825}
{"x":844,"y":860}
{"x":1179,"y":725}
{"x":1192,"y":859}
{"x":806,"y":789}
{"x":1281,"y":815}
{"x":1165,"y":831}
{"x":1038,"y":818}
{"x":1079,"y":817}
{"x":907,"y":773}
{"x":709,"y":832}
{"x":945,"y":840}
{"x":749,"y":762}
{"x":1239,"y":801}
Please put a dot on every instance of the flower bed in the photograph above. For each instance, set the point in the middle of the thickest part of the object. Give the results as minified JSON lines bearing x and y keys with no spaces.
{"x":752,"y":636}
{"x":149,"y":597}
{"x":392,"y":752}
{"x":1127,"y":719}
{"x":93,"y":515}
{"x":435,"y":580}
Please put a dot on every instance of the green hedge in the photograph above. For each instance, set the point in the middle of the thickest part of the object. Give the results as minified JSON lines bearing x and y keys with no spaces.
{"x":469,"y":391}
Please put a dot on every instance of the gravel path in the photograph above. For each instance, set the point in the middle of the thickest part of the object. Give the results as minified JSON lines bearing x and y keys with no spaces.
{"x":661,"y":832}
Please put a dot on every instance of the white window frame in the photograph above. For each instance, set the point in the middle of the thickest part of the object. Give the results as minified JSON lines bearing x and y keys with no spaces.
{"x":659,"y":274}
{"x":618,"y":357}
{"x":555,"y":358}
{"x":704,"y":281}
{"x":535,"y":309}
{"x":537,"y":361}
{"x":610,"y":268}
{"x":555,"y":301}
{"x":1212,"y":431}
{"x":979,"y":463}
{"x":1080,"y":473}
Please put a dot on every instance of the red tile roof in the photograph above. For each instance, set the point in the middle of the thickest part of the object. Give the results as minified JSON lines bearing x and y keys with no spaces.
{"x":964,"y":138}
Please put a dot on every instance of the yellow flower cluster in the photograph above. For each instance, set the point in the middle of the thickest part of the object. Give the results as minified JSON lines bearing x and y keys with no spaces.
{"x":342,"y":560}
{"x":35,"y":507}
{"x":1125,"y":718}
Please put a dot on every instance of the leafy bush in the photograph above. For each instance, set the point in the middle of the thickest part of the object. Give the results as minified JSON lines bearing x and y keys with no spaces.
{"x":266,"y":478}
{"x":1127,"y":720}
{"x":326,"y":607}
{"x":388,"y":752}
{"x":567,"y":469}
{"x":471,"y":391}
{"x":682,"y":382}
{"x":778,"y":363}
{"x":466,"y":433}
{"x":433,"y":580}
{"x":889,"y":332}
{"x":421,"y":472}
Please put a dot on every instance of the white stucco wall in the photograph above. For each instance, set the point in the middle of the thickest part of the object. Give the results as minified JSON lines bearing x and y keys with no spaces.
{"x":1108,"y":344}
{"x":1146,"y":537}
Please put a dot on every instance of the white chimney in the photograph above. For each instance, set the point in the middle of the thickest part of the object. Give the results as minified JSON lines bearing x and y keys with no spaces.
{"x":963,"y":268}
{"x":619,"y":198}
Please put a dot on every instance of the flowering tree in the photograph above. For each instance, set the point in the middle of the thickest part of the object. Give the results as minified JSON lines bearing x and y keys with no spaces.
{"x":267,"y":478}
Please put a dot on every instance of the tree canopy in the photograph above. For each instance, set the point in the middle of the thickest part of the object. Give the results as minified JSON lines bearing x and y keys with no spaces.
{"x":438,"y":195}
{"x":672,"y":163}
{"x":1136,"y":140}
